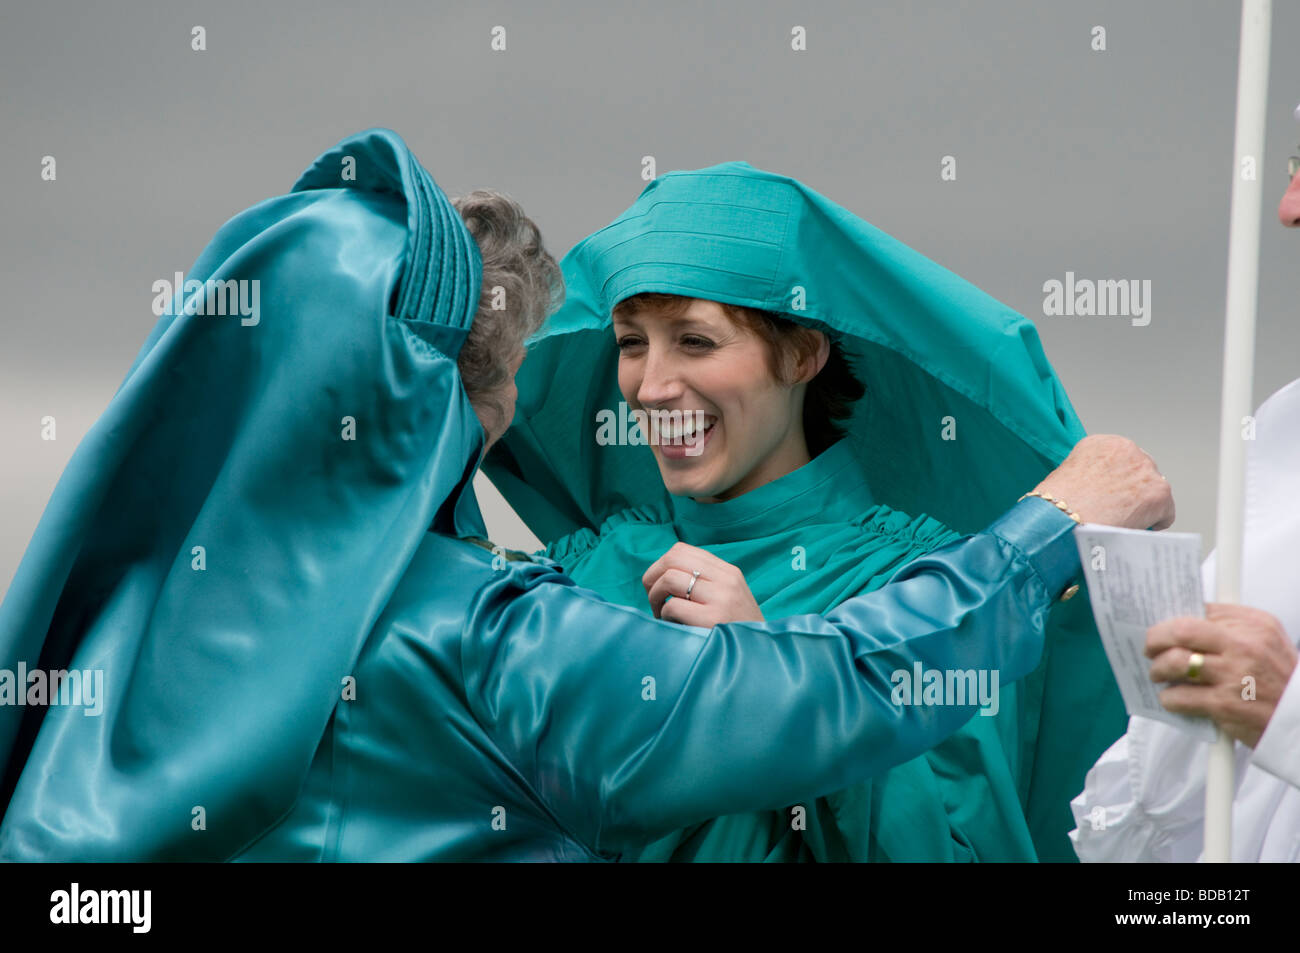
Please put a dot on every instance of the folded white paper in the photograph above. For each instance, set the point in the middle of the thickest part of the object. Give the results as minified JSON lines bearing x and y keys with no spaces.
{"x":1137,"y":578}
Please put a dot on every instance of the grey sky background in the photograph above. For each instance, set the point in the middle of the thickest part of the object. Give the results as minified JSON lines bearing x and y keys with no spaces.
{"x":1112,"y":164}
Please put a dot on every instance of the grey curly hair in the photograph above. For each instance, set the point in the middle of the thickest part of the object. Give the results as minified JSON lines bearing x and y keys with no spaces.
{"x":518,"y":272}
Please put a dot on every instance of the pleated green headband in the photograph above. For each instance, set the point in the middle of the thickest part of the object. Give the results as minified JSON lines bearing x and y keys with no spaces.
{"x":443,"y":266}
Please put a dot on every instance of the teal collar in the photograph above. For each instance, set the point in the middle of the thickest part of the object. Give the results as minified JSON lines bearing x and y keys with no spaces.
{"x":829,"y":488}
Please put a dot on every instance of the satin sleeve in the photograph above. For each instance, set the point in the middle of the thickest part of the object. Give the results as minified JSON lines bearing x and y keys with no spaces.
{"x":628,"y":728}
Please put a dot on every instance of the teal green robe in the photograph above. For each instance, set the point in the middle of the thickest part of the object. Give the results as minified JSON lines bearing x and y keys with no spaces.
{"x":963,"y":412}
{"x":806,"y":542}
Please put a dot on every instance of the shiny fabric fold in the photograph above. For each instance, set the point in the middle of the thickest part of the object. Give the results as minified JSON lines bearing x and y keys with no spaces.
{"x":238,"y":517}
{"x":504,"y":713}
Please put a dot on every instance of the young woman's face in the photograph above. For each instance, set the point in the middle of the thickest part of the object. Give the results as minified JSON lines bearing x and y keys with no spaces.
{"x":702,"y":361}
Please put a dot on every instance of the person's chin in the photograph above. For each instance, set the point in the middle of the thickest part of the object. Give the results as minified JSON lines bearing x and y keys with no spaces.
{"x":679,"y":483}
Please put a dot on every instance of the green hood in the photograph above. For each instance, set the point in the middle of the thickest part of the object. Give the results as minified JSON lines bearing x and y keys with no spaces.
{"x":939,"y":359}
{"x":927,"y":344}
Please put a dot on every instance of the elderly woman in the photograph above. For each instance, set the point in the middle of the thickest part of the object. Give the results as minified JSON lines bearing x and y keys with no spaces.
{"x":269,"y":546}
{"x":756,"y":310}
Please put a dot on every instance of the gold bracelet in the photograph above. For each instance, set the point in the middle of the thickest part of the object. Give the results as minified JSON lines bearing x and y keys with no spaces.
{"x":1059,"y":504}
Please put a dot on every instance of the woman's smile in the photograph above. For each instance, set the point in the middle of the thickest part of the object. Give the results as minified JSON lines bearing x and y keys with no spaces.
{"x":686,"y":440}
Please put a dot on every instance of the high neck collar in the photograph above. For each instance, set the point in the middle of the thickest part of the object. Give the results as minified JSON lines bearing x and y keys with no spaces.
{"x":829,"y":488}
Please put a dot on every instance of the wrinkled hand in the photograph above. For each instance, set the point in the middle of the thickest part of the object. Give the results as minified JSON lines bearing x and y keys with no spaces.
{"x":720,"y":593}
{"x":1247,"y":653}
{"x":1109,"y":479}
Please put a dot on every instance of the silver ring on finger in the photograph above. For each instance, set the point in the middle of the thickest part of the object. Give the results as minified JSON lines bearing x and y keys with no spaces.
{"x":695,"y":577}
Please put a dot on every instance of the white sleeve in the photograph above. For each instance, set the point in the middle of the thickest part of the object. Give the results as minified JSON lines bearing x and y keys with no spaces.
{"x":1144,"y":799}
{"x":1278,"y":751}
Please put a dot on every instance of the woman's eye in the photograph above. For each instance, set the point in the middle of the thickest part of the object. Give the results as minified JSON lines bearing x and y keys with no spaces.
{"x":627,"y":341}
{"x":697,"y":343}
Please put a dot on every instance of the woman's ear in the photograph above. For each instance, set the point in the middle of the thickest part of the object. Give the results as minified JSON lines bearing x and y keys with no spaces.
{"x":812,"y":362}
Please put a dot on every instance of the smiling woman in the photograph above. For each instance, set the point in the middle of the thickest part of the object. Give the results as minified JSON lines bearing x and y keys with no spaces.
{"x":771,"y":392}
{"x":748,"y":298}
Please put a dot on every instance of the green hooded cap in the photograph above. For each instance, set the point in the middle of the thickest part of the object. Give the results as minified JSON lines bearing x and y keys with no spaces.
{"x":927,"y":344}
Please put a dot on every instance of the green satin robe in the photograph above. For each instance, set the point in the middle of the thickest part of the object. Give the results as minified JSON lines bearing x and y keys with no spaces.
{"x":806,"y":542}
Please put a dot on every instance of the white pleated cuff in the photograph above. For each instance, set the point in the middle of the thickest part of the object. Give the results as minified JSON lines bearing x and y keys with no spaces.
{"x":1144,"y":798}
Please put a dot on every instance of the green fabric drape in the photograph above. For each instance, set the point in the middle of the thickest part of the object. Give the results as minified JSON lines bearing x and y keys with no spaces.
{"x":963,"y":412}
{"x":806,"y":542}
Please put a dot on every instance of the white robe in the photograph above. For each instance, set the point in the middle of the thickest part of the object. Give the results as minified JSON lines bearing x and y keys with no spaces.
{"x":1144,"y":800}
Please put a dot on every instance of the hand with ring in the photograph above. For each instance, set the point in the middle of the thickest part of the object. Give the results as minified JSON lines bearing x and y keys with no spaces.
{"x":694,"y":587}
{"x":1232,"y":666}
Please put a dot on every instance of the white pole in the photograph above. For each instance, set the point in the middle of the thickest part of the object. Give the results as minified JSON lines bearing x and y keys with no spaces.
{"x":1238,"y":373}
